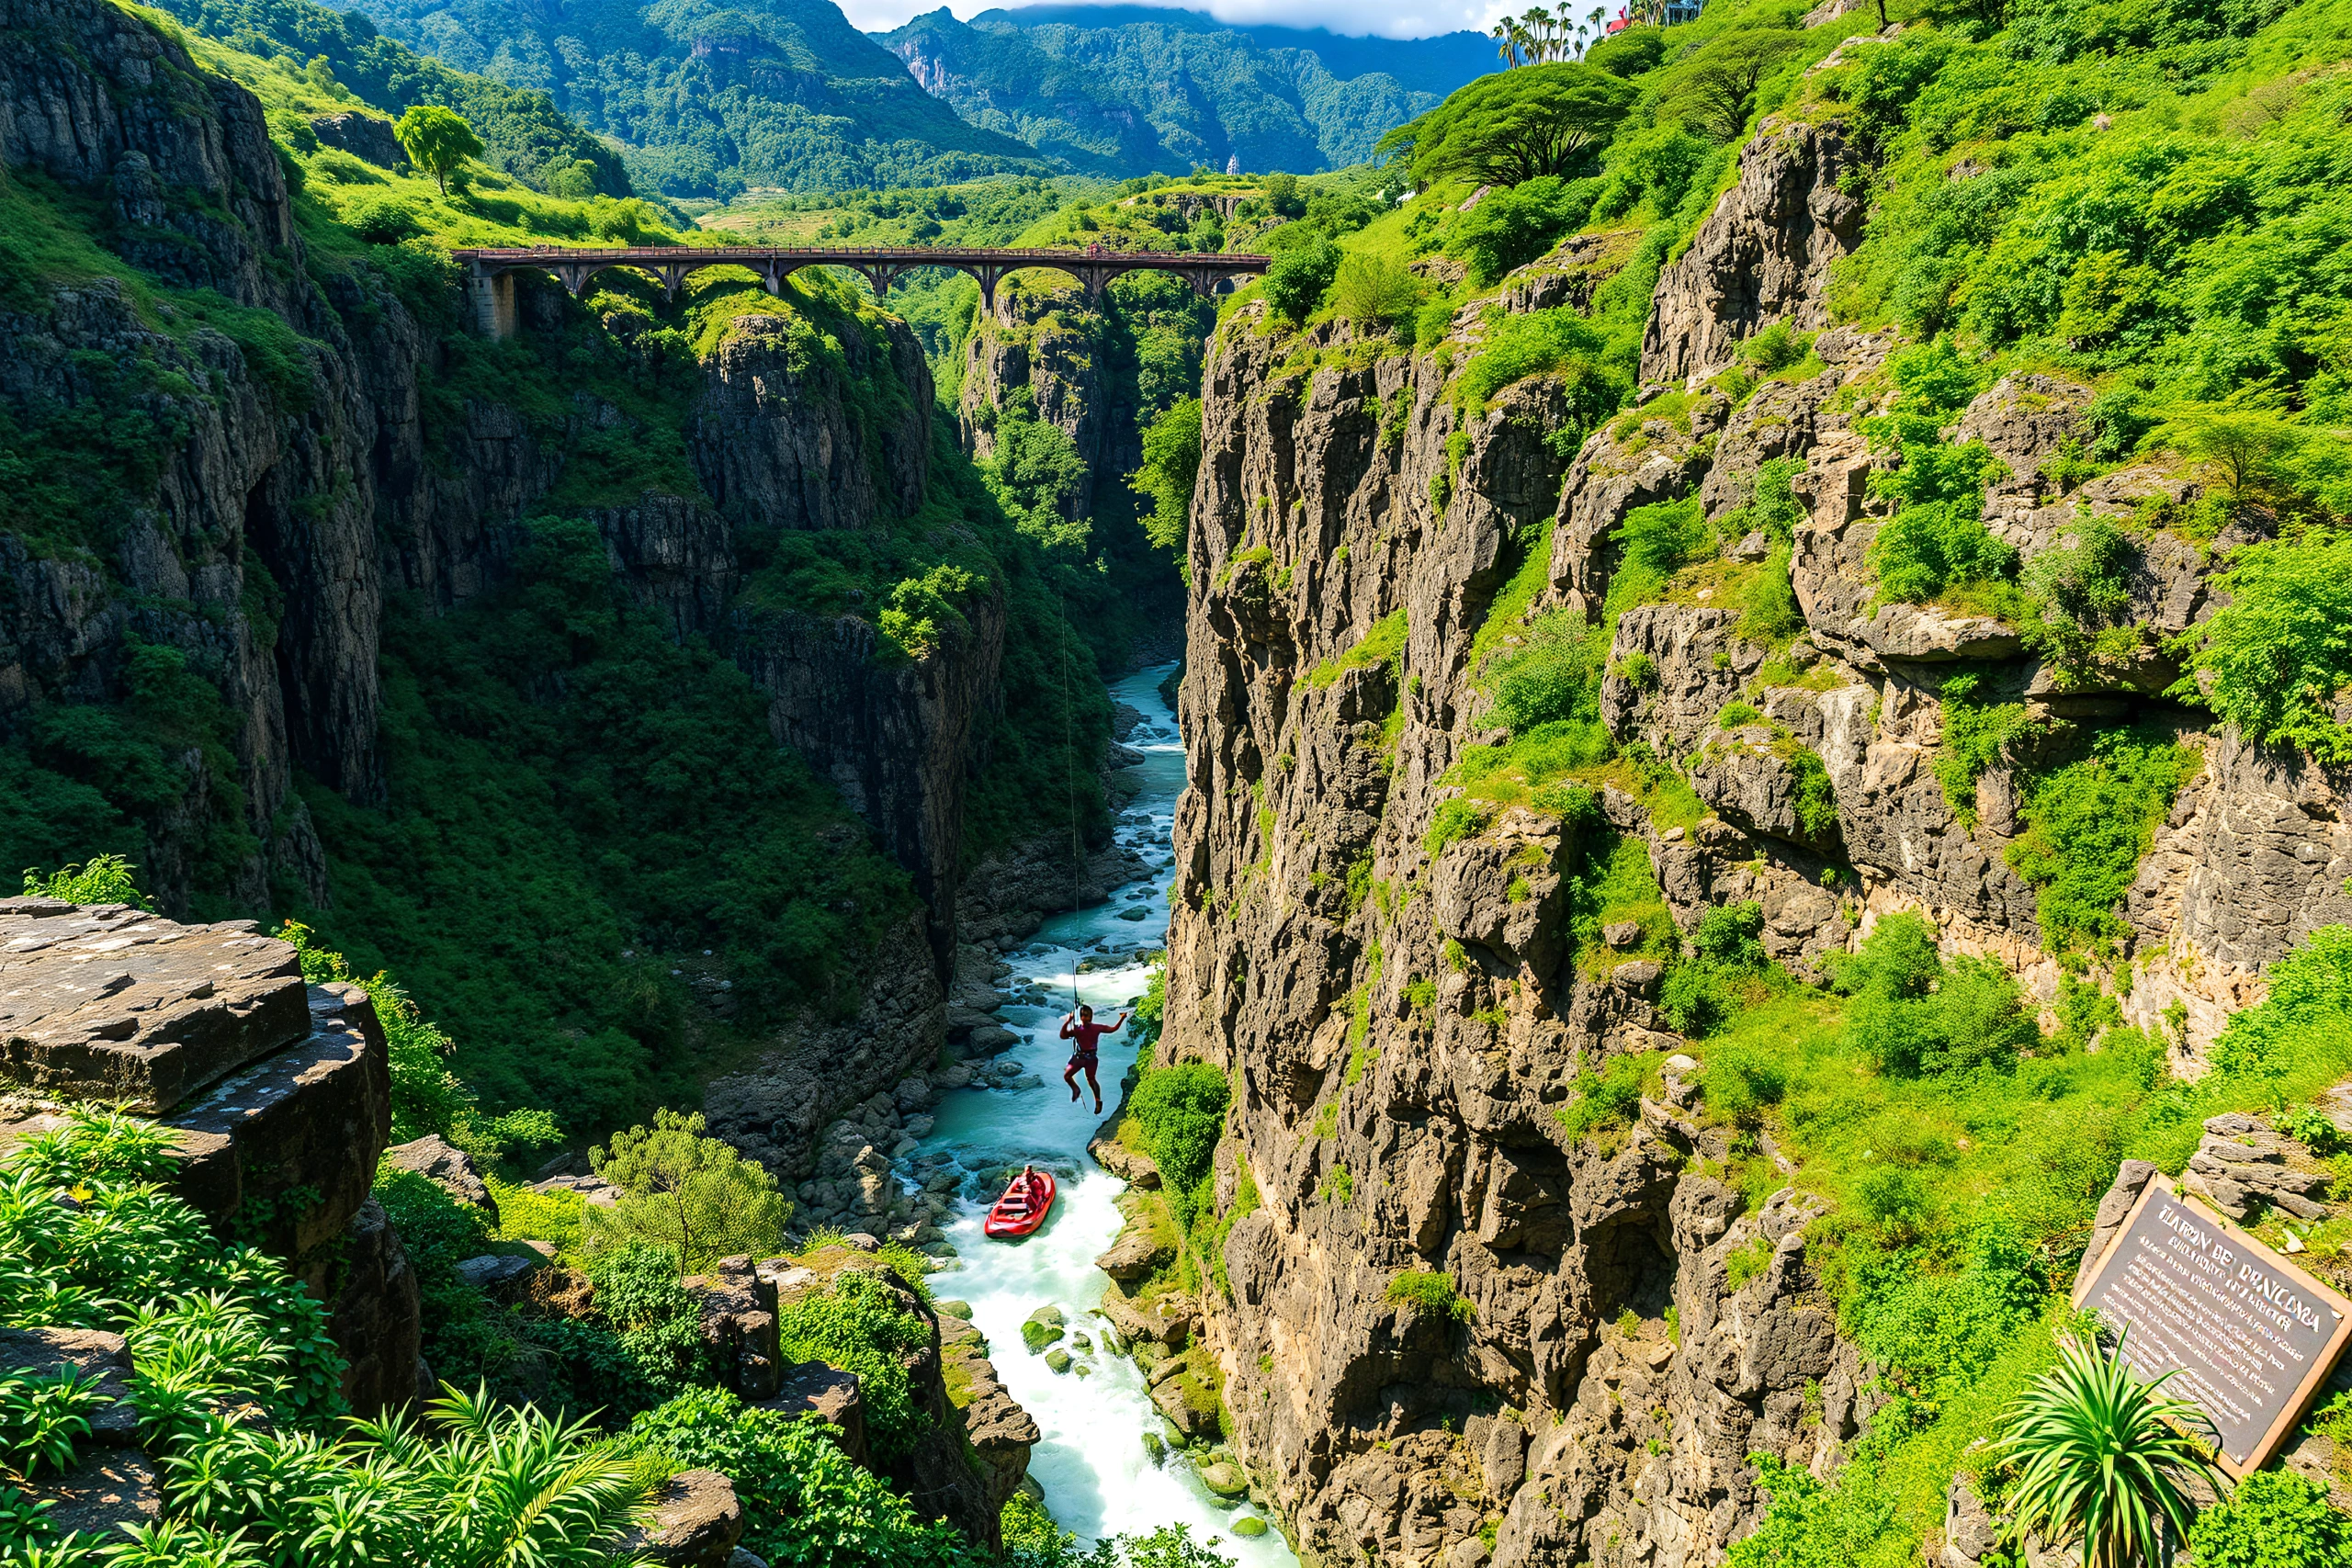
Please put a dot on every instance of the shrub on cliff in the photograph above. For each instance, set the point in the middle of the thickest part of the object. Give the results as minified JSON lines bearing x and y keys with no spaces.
{"x":1914,"y":1014}
{"x":692,"y":1195}
{"x":804,"y":1500}
{"x":1374,"y":292}
{"x":857,"y":1322}
{"x":1589,"y":366}
{"x":1514,"y":225}
{"x":1299,"y":279}
{"x":217,"y":1333}
{"x":2086,"y":827}
{"x":1172,"y":464}
{"x":2272,"y":659}
{"x":1180,"y":1108}
{"x":2274,"y":1519}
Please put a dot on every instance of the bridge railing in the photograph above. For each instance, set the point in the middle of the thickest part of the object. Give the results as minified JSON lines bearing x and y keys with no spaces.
{"x":490,"y":270}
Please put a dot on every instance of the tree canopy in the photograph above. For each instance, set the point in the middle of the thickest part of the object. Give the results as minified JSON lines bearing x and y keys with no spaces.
{"x":692,"y":1195}
{"x":1514,"y":125}
{"x":436,"y":140}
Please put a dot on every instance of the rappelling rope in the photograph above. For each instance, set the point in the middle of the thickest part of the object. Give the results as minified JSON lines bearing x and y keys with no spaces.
{"x":1069,"y":773}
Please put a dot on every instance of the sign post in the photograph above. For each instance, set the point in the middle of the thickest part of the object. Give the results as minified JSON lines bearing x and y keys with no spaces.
{"x":2249,"y":1336}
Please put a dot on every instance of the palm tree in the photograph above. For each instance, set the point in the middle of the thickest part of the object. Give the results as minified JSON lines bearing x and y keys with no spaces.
{"x":2103,"y":1456}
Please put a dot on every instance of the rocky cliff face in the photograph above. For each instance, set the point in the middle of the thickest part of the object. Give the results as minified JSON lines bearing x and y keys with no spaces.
{"x":1079,"y":365}
{"x":293,"y":482}
{"x":1400,"y":1012}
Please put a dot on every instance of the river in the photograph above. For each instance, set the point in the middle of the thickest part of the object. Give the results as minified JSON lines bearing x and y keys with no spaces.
{"x":1097,"y":1478}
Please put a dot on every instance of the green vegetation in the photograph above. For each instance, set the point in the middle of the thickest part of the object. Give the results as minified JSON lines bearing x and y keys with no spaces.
{"x":2282,"y":648}
{"x":2086,"y":825}
{"x":2074,"y":594}
{"x":693,"y":1196}
{"x":1514,"y":125}
{"x":858,"y":1324}
{"x":1936,"y":542}
{"x":1091,"y":89}
{"x":1384,"y":643}
{"x":218,"y":1333}
{"x":1724,"y":969}
{"x":2105,"y":1459}
{"x":2274,"y":1518}
{"x":1976,"y":734}
{"x":302,"y":58}
{"x":1607,"y":1101}
{"x":1913,"y":1014}
{"x":437,"y":141}
{"x":1179,"y":1109}
{"x":1962,"y":1155}
{"x":1172,"y":464}
{"x":804,"y":1500}
{"x":1430,"y":1294}
{"x":1298,"y":280}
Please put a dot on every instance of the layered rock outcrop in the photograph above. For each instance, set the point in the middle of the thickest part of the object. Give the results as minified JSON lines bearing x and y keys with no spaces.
{"x":1461,"y":1328}
{"x":277,"y":1097}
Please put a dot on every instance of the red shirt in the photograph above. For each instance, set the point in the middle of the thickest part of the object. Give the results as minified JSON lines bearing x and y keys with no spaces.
{"x":1087,"y":1035}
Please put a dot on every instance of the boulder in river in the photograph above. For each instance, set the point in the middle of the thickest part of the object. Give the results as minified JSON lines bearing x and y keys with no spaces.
{"x":1043,"y":1327}
{"x":1224,"y":1478}
{"x":1248,"y":1527}
{"x":1059,"y":1360}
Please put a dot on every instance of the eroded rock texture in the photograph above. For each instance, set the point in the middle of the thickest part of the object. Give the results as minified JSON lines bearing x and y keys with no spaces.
{"x":1404,"y":1013}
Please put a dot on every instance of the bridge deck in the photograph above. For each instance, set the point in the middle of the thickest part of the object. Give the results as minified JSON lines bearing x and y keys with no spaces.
{"x":913,"y":255}
{"x":574,"y":266}
{"x":492,"y":283}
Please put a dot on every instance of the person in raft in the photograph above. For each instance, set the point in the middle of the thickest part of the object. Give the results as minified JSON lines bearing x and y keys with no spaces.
{"x":1087,"y":1035}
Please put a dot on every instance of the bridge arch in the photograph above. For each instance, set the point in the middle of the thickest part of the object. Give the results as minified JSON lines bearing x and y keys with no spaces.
{"x":490,"y":273}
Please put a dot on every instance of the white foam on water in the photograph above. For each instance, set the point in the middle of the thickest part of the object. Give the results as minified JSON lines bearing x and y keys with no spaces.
{"x":1098,"y":1479}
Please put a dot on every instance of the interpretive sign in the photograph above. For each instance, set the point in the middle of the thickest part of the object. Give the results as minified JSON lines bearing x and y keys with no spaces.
{"x":2248,"y":1336}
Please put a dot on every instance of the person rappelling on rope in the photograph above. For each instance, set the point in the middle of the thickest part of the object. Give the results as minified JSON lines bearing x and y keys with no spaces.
{"x":1088,"y":1033}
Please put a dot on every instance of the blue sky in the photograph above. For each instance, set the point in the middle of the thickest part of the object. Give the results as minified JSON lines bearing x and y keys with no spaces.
{"x":1389,"y":18}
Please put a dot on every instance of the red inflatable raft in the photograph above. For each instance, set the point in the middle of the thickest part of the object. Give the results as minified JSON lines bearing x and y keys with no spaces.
{"x":1023,"y":1208}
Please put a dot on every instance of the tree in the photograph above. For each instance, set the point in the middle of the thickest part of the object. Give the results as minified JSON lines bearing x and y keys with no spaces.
{"x":692,"y":1195}
{"x":1514,"y":125}
{"x":1714,"y":90}
{"x":436,"y":140}
{"x":1299,"y":279}
{"x":2103,"y":1456}
{"x":2244,"y":450}
{"x":1374,"y":292}
{"x":1171,"y":462}
{"x":2273,"y":658}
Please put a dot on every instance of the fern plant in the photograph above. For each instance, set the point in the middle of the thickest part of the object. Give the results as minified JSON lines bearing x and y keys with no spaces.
{"x":2102,"y":1457}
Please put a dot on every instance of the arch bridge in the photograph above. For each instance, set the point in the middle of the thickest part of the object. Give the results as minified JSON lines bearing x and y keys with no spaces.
{"x":490,"y":273}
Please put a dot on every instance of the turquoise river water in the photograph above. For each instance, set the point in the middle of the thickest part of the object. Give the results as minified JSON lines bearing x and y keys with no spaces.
{"x":1097,"y":1477}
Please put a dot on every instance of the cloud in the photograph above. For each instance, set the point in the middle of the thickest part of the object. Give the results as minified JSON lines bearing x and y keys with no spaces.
{"x":1413,"y":21}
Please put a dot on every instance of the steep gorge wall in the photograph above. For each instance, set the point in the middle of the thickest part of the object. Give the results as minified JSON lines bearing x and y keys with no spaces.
{"x":293,"y":492}
{"x":1401,"y":1026}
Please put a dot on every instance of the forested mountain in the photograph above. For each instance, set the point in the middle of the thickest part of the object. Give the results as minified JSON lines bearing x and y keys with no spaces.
{"x":710,"y":99}
{"x":1127,"y":90}
{"x":522,"y":132}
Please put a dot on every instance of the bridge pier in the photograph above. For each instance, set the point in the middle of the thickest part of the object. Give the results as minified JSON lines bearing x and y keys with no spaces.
{"x":492,"y":294}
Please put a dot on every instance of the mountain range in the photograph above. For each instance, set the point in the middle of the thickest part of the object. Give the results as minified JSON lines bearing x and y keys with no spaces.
{"x":1126,"y":89}
{"x":707,"y":98}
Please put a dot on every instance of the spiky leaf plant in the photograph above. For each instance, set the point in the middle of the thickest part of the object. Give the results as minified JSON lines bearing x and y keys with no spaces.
{"x":2102,"y":1457}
